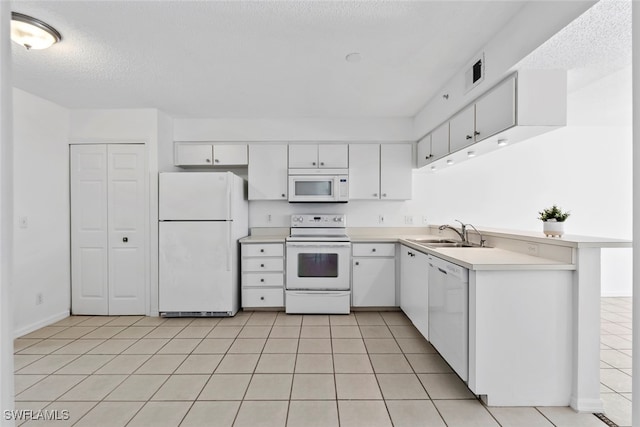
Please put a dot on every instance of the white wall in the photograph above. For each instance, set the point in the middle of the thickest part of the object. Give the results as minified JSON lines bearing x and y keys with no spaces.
{"x":41,"y":197}
{"x":584,"y":167}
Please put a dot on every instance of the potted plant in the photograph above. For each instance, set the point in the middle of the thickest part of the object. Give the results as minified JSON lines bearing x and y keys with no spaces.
{"x":553,"y":219}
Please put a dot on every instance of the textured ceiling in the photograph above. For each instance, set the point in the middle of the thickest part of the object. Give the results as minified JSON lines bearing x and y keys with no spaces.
{"x":255,"y":59}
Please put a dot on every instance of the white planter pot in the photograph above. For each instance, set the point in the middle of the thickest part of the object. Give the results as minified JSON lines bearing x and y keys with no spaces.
{"x":553,"y":228}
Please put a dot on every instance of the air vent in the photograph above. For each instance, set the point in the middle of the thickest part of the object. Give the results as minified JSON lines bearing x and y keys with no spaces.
{"x":475,"y":73}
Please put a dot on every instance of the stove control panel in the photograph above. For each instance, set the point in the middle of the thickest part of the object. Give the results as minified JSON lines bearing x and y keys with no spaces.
{"x":324,"y":220}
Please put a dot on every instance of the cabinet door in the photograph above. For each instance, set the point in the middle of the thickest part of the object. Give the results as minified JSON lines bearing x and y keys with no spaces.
{"x":364,"y":171}
{"x":496,"y":111}
{"x":302,"y":156}
{"x":395,"y":171}
{"x":374,"y":282}
{"x":440,"y":141}
{"x":414,"y":288}
{"x":461,"y":129}
{"x":224,"y":155}
{"x":193,"y":155}
{"x":267,"y":172}
{"x":424,"y":151}
{"x":333,"y":156}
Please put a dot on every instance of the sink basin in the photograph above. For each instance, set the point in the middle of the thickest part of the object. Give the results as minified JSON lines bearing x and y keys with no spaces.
{"x":444,"y":243}
{"x":427,"y":241}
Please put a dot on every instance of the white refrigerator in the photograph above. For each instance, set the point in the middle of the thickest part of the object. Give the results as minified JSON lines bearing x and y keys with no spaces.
{"x":201,"y":217}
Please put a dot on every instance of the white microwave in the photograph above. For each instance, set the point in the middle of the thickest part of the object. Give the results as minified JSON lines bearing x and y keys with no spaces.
{"x":318,"y":188}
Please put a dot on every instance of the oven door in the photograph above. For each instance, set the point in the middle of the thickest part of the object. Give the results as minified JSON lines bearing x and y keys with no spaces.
{"x":318,"y":266}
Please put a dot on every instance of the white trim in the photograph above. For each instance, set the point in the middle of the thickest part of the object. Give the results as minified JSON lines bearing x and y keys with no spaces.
{"x":41,"y":323}
{"x":587,"y":405}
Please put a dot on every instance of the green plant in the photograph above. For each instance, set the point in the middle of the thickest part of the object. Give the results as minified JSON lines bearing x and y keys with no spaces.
{"x":554,"y":213}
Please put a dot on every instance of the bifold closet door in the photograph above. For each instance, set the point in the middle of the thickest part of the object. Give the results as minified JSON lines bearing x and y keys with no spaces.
{"x":108,"y":244}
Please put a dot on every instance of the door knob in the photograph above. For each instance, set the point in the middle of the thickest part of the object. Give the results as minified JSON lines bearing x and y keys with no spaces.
{"x":125,"y":239}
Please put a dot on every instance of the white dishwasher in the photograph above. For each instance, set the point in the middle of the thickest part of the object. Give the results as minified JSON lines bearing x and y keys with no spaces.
{"x":449,"y":313}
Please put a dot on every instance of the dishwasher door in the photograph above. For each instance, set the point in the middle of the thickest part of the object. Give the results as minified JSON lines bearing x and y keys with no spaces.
{"x":449,"y":313}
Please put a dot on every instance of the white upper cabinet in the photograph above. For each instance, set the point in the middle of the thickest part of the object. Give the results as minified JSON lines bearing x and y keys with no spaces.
{"x":267,"y":172}
{"x":364,"y":171}
{"x":312,"y":156}
{"x":196,"y":154}
{"x":424,"y":151}
{"x":440,"y":141}
{"x":396,"y":163}
{"x":496,"y":111}
{"x":462,"y":129}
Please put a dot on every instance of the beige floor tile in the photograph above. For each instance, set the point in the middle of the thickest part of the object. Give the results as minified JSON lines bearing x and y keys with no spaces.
{"x":239,"y":319}
{"x":285,"y":332}
{"x":615,"y":341}
{"x":395,"y":318}
{"x":50,"y":388}
{"x":225,"y":387}
{"x":192,"y":331}
{"x":48,"y":364}
{"x":205,"y":321}
{"x":94,"y":387}
{"x":211,"y":414}
{"x":313,"y":387}
{"x":262,"y":414}
{"x":79,"y":347}
{"x":23,"y":343}
{"x":315,"y":331}
{"x":615,"y":358}
{"x":312,"y":413}
{"x":110,"y":414}
{"x":178,"y":321}
{"x":566,"y":417}
{"x":150,"y":321}
{"x":76,"y":410}
{"x":445,"y":386}
{"x":288,"y":319}
{"x":22,"y":360}
{"x":104,"y":332}
{"x":125,"y":320}
{"x":137,"y":387}
{"x":357,"y":386}
{"x":181,"y":387}
{"x":375,"y":331}
{"x":238,"y":364}
{"x":428,"y":363}
{"x":617,"y":408}
{"x":45,"y":346}
{"x":180,"y":346}
{"x":165,"y":331}
{"x":248,"y":345}
{"x":352,"y":364}
{"x":160,"y":414}
{"x":276,"y":364}
{"x":348,"y":345}
{"x":145,"y":346}
{"x":315,"y":320}
{"x":401,"y":386}
{"x":314,"y":345}
{"x":23,"y":382}
{"x":414,"y":413}
{"x":74,"y":332}
{"x":161,"y":364}
{"x":200,"y":364}
{"x":519,"y":417}
{"x":390,"y":364}
{"x":281,"y":345}
{"x":46,"y":332}
{"x":365,"y":413}
{"x":262,"y":319}
{"x":612,"y":378}
{"x":343,"y":320}
{"x":269,"y":387}
{"x":404,"y":331}
{"x":97,"y":320}
{"x":113,"y":347}
{"x":86,"y":364}
{"x":345,"y":332}
{"x":369,"y":319}
{"x":28,"y":406}
{"x":123,"y":364}
{"x":255,"y":332}
{"x":464,"y":413}
{"x":314,"y":364}
{"x":221,"y":331}
{"x":213,"y":346}
{"x":71,"y":320}
{"x":134,"y":332}
{"x":381,"y":345}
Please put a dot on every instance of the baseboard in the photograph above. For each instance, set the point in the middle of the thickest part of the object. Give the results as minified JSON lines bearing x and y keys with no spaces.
{"x":40,"y":324}
{"x":586,"y":405}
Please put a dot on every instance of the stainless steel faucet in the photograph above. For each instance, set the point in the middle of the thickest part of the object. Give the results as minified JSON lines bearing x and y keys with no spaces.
{"x":464,"y":234}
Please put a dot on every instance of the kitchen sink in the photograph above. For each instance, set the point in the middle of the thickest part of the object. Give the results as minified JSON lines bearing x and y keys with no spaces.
{"x":444,"y":243}
{"x":432,"y":241}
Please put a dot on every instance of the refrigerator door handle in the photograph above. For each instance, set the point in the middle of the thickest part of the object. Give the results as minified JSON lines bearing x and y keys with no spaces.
{"x":229,"y":245}
{"x":229,"y":201}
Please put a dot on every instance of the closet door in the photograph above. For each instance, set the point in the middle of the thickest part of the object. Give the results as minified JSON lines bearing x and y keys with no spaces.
{"x":89,"y":254}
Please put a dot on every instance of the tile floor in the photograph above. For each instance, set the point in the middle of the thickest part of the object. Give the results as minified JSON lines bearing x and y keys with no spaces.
{"x":257,"y":369}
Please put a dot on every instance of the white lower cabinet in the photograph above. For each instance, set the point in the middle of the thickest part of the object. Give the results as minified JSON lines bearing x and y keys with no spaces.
{"x":373,"y":275}
{"x":414,"y":288}
{"x":262,"y":275}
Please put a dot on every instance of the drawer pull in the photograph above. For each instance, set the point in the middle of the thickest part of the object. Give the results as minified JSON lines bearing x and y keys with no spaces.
{"x":261,"y":298}
{"x":262,"y":265}
{"x":261,"y":250}
{"x":357,"y":263}
{"x":261,"y":280}
{"x":373,"y":250}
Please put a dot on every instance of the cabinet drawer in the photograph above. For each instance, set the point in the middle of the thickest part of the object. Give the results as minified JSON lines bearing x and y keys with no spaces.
{"x":374,"y":249}
{"x":263,"y":279}
{"x":268,"y":249}
{"x":262,"y":264}
{"x":263,"y":297}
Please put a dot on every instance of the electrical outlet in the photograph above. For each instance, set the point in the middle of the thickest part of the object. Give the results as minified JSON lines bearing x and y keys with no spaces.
{"x":380,"y":219}
{"x":425,"y":221}
{"x":532,"y":249}
{"x":408,"y":219}
{"x":39,"y":298}
{"x":269,"y":218}
{"x":24,"y":222}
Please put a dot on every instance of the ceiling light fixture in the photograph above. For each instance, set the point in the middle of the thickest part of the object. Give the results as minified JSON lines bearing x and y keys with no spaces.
{"x":353,"y":57}
{"x":449,"y":162}
{"x":471,"y":153}
{"x":502,"y":142}
{"x":32,"y":33}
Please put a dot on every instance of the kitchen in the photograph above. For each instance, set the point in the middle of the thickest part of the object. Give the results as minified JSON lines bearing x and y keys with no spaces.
{"x":435,"y":195}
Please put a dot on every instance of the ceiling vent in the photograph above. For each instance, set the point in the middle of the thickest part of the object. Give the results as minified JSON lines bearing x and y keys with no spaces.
{"x":475,"y":73}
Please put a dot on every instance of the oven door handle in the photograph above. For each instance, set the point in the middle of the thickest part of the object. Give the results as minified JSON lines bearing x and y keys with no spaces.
{"x":318,"y":245}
